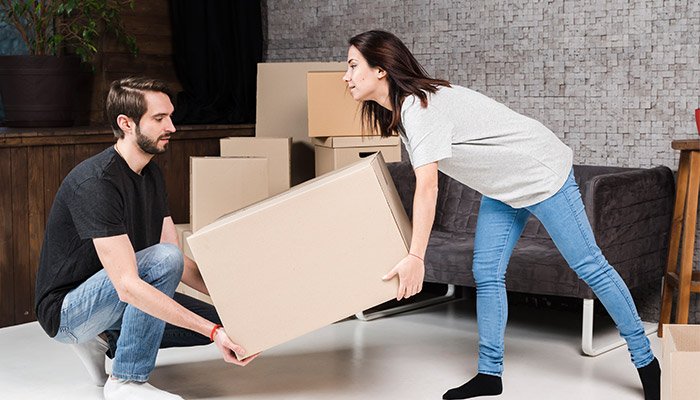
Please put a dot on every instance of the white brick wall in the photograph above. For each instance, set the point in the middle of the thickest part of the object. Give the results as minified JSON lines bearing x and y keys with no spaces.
{"x":616,"y":85}
{"x":616,"y":80}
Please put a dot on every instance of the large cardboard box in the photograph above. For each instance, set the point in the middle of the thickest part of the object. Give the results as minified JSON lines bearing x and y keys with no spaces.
{"x":336,"y":152}
{"x":281,"y":109}
{"x":305,"y":258}
{"x":681,"y":362}
{"x":332,"y":110}
{"x":276,"y":150}
{"x":219,"y":185}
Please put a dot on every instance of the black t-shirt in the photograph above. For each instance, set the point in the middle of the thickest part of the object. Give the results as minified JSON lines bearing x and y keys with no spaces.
{"x":101,"y":197}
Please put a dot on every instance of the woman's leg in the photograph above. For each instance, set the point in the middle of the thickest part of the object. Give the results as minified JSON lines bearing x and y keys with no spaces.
{"x":497,"y":231}
{"x":565,"y":219}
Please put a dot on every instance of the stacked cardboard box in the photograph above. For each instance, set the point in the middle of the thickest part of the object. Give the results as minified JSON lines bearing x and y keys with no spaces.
{"x":249,"y":170}
{"x":335,"y":124}
{"x":277,"y":151}
{"x":220,"y":185}
{"x":681,"y":357}
{"x":281,"y":109}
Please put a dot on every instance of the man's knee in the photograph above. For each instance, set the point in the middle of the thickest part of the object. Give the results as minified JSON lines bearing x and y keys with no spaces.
{"x":167,"y":261}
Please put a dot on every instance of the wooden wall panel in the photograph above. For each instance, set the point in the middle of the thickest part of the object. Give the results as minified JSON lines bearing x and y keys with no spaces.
{"x":20,"y":235}
{"x":37,"y":220}
{"x":7,"y":280}
{"x":66,"y":156}
{"x":52,"y":177}
{"x":32,"y":166}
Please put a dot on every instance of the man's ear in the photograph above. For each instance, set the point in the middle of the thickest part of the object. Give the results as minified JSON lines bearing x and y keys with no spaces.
{"x":126,"y":124}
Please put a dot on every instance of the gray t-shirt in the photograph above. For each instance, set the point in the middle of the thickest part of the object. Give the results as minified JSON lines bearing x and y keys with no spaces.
{"x":486,"y":146}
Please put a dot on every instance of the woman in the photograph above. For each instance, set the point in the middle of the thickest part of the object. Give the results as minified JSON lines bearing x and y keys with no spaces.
{"x":517,"y":164}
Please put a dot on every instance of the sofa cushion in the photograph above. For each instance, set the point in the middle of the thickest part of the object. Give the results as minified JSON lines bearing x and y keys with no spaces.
{"x":535,"y":265}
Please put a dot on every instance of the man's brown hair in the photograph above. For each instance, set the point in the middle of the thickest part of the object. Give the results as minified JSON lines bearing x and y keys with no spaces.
{"x":127,"y":96}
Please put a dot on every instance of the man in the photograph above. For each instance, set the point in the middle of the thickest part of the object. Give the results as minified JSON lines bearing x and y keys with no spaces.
{"x":110,"y":260}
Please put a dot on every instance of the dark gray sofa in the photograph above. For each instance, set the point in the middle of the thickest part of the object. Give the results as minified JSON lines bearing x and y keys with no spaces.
{"x":630,"y":211}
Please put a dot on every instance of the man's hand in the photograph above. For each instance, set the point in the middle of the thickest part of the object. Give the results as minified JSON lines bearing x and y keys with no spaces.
{"x":228,"y":348}
{"x":411,"y":271}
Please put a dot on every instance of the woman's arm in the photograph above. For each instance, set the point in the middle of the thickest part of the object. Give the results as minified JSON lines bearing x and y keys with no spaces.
{"x":411,"y":268}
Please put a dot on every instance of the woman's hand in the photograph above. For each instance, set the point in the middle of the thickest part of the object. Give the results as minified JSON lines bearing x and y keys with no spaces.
{"x":228,"y":348}
{"x":411,"y":271}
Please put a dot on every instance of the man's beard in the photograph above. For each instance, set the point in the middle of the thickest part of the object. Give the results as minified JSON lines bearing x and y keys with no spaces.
{"x":150,"y":146}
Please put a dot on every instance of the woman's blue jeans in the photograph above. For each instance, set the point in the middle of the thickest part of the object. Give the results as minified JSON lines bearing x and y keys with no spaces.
{"x":134,"y":337}
{"x":498,"y":228}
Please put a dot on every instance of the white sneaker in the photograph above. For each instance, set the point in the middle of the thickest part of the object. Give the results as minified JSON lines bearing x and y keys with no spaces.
{"x":92,"y":354}
{"x":118,"y":389}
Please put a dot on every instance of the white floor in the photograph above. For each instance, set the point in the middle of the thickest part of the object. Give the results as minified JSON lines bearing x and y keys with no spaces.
{"x":417,"y":355}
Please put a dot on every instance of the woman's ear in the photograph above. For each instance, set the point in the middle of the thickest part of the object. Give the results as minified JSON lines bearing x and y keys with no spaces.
{"x":380,"y":73}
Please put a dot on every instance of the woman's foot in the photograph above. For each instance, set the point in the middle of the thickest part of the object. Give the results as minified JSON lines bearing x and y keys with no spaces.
{"x":650,"y":376}
{"x":480,"y":385}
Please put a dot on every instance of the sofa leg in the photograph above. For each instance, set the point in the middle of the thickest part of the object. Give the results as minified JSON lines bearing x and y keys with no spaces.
{"x":449,"y":295}
{"x":587,"y":333}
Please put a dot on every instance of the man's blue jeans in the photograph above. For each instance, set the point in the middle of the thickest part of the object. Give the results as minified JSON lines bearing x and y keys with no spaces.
{"x":134,"y":337}
{"x":498,"y":228}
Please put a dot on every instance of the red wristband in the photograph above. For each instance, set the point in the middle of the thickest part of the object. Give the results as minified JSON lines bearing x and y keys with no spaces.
{"x":411,"y":254}
{"x":214,"y":331}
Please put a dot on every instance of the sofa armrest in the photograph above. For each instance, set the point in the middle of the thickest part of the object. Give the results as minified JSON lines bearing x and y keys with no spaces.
{"x":630,"y":213}
{"x":405,"y":181}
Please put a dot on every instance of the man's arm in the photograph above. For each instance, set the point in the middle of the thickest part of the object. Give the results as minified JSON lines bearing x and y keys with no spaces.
{"x":117,"y":256}
{"x":191,"y":275}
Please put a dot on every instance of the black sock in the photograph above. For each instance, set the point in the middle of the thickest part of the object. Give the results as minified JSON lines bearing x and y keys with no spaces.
{"x":651,"y":380}
{"x":480,"y":385}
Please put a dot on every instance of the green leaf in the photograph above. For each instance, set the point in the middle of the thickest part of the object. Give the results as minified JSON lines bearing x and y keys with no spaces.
{"x":87,"y":20}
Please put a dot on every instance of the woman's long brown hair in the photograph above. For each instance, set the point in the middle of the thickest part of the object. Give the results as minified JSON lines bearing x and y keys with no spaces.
{"x":404,"y":74}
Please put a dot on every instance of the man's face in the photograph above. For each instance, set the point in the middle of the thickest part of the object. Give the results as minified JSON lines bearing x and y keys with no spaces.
{"x":154,"y":130}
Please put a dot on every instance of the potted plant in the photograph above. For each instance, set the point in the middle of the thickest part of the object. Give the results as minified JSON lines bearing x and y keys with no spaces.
{"x":38,"y":89}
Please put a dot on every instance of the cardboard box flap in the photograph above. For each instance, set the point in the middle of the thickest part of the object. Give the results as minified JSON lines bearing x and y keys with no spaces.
{"x":356,"y":141}
{"x":681,"y":338}
{"x":681,"y":356}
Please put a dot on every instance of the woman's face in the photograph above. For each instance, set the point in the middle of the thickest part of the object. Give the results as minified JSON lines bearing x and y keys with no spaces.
{"x":365,"y":82}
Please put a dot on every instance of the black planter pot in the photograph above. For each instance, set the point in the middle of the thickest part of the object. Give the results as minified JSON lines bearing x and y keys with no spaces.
{"x":38,"y":91}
